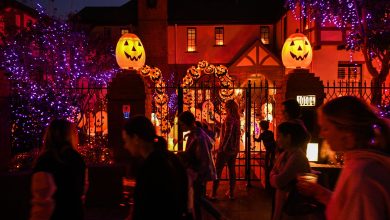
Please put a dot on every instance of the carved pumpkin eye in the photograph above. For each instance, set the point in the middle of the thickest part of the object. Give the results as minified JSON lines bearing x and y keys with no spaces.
{"x":126,"y":44}
{"x":139,"y":44}
{"x":306,"y":43}
{"x":292,"y":43}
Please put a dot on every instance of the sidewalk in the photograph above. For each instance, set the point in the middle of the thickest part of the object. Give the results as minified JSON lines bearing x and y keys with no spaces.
{"x":253,"y":203}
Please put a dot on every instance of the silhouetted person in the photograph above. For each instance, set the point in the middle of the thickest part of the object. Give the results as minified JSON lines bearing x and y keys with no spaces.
{"x":197,"y":159}
{"x":292,"y":112}
{"x":268,"y":139}
{"x":228,"y":148}
{"x":59,"y":182}
{"x":161,"y":184}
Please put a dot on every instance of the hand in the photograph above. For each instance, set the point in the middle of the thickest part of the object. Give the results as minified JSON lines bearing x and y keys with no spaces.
{"x":314,"y":190}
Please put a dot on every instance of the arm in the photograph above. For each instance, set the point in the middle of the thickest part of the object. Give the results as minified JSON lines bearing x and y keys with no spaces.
{"x":42,"y":188}
{"x":281,"y":176}
{"x":315,"y":190}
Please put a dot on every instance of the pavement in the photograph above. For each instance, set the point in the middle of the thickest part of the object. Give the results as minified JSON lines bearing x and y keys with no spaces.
{"x":250,"y":203}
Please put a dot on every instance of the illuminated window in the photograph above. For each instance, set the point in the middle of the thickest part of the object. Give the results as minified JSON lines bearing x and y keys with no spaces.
{"x":264,"y":34}
{"x":191,"y":39}
{"x":124,"y":31}
{"x":219,"y":36}
{"x":349,"y":71}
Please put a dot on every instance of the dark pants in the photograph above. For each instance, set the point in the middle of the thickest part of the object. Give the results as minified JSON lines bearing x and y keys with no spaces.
{"x":269,"y":163}
{"x":222,"y":159}
{"x":199,"y":193}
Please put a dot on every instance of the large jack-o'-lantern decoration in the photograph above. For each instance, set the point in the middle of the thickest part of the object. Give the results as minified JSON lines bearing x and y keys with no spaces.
{"x":297,"y":51}
{"x":130,"y":52}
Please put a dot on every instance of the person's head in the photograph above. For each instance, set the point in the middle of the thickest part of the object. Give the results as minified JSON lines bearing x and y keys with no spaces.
{"x":264,"y":125}
{"x":349,"y":123}
{"x":60,"y":135}
{"x":140,"y":137}
{"x":291,"y":135}
{"x":187,"y":120}
{"x":291,"y":109}
{"x":198,"y":124}
{"x":232,"y":108}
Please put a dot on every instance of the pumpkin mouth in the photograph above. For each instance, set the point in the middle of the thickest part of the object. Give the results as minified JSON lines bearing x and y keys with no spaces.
{"x":133,"y":58}
{"x":299,"y":57}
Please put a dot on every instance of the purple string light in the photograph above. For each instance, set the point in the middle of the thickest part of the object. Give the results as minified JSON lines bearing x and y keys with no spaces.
{"x":45,"y":65}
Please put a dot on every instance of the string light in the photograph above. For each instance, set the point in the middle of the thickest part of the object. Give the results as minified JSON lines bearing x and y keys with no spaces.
{"x":346,"y":15}
{"x":45,"y":64}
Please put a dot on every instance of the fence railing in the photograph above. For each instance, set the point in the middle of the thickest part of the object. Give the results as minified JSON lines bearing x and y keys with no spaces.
{"x":362,"y":90}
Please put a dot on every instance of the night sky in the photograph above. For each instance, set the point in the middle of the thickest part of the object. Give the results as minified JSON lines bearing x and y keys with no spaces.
{"x":60,"y":8}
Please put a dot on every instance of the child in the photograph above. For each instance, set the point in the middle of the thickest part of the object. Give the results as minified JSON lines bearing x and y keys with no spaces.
{"x":268,"y":139}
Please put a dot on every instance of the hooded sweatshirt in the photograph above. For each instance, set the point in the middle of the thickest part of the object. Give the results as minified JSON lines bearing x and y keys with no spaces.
{"x":363,"y":188}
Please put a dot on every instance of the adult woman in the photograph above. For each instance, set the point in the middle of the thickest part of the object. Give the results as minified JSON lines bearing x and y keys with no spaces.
{"x":229,"y":147}
{"x":59,"y":181}
{"x":362,"y":190}
{"x":161,"y":184}
{"x":292,"y":138}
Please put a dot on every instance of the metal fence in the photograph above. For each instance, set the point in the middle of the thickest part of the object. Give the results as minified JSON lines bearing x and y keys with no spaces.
{"x":256,"y":102}
{"x":362,"y":90}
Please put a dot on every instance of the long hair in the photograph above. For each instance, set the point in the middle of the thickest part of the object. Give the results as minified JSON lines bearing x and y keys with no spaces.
{"x":232,"y":108}
{"x":142,"y":127}
{"x":58,"y":138}
{"x":349,"y":113}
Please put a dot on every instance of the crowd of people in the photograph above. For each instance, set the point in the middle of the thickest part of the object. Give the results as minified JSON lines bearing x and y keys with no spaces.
{"x":173,"y":186}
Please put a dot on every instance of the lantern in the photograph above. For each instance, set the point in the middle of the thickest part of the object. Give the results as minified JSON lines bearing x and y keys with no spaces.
{"x":130,"y":53}
{"x":297,"y":51}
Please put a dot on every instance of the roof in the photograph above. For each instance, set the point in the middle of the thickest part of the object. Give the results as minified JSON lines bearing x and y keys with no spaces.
{"x":225,"y":11}
{"x":123,"y":15}
{"x":15,"y":4}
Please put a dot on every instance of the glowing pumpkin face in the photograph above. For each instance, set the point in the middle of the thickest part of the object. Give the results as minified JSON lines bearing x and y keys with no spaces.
{"x":130,"y":53}
{"x":297,"y":52}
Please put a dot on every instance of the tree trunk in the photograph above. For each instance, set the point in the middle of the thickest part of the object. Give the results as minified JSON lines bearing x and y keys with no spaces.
{"x":376,"y":90}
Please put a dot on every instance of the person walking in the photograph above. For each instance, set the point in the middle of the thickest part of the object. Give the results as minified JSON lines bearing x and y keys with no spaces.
{"x":228,"y":148}
{"x":355,"y":128}
{"x":60,"y":177}
{"x":198,"y":160}
{"x":161,"y":184}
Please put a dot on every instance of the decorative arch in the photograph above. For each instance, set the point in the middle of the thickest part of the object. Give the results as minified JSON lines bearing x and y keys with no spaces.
{"x":159,"y":95}
{"x":224,"y":84}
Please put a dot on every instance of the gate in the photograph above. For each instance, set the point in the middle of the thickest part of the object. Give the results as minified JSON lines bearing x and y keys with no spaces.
{"x":204,"y":91}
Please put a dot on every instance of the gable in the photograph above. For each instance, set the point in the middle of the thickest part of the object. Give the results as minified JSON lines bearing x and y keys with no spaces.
{"x":257,"y":56}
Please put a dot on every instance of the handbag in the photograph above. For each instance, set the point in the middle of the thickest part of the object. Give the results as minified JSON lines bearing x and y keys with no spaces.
{"x":298,"y":204}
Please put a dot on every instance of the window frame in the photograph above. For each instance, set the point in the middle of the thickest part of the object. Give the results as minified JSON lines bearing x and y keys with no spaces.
{"x":219,"y":33}
{"x":353,"y":71}
{"x":191,"y":39}
{"x":265,"y":33}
